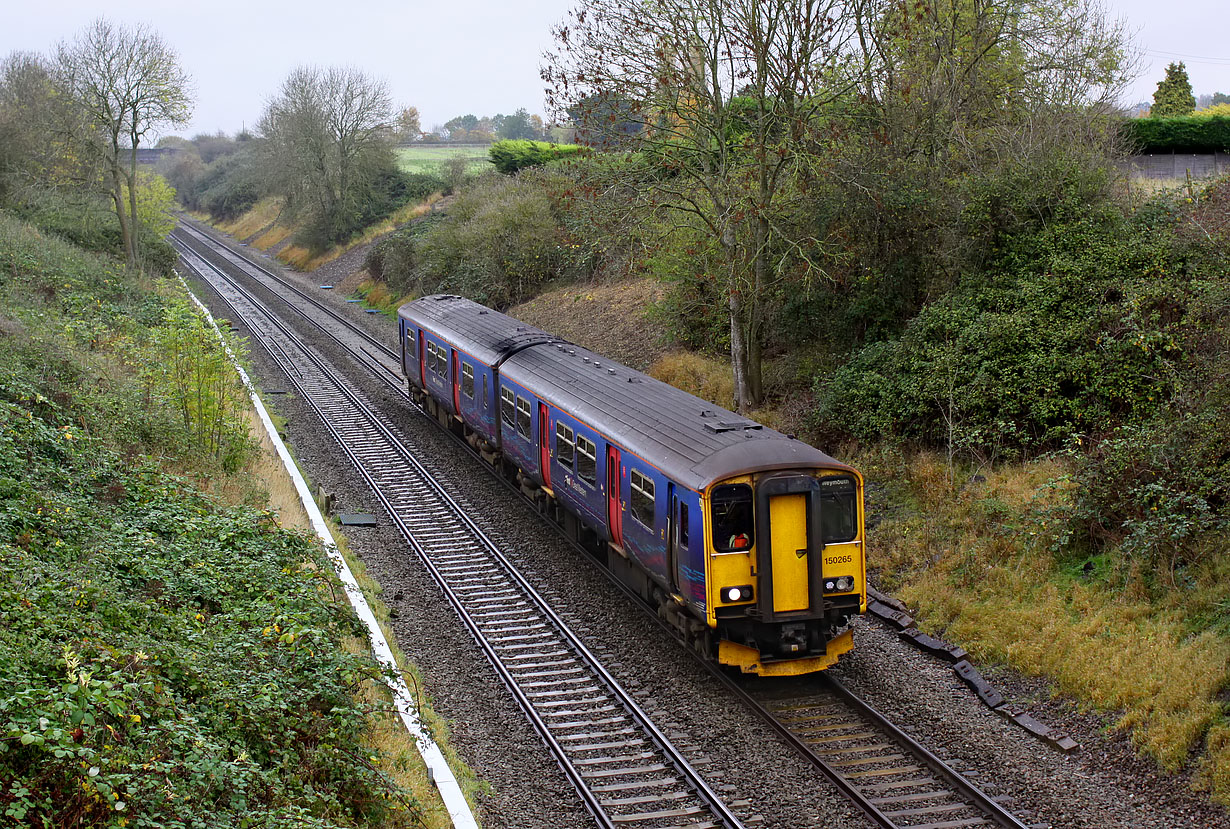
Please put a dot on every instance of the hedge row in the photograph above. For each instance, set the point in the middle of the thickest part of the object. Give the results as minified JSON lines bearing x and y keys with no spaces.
{"x":1189,"y":134}
{"x":511,"y":156}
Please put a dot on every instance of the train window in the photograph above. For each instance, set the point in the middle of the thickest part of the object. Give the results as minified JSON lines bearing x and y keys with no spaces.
{"x":467,"y":380}
{"x":734,"y":525}
{"x":587,"y":459}
{"x":484,"y":391}
{"x":436,"y":360}
{"x":524,"y":421}
{"x":506,"y":405}
{"x":642,"y":498}
{"x":681,"y":528}
{"x":838,"y":509}
{"x":564,"y":445}
{"x":411,"y":343}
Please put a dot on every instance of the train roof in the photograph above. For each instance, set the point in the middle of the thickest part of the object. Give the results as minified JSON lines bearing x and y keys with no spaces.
{"x":485,"y":334}
{"x":694,"y":442}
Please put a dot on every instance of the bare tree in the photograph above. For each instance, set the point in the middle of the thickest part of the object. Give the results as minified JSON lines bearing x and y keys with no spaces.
{"x":723,"y":93}
{"x":328,"y":133}
{"x":127,"y":83}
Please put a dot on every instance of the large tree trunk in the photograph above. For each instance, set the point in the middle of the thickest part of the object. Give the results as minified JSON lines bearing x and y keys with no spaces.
{"x":754,"y":312}
{"x":738,"y":353}
{"x":132,"y":204}
{"x":121,"y":213}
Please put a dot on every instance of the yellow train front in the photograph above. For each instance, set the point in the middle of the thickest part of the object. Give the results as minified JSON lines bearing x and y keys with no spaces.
{"x":785,"y":568}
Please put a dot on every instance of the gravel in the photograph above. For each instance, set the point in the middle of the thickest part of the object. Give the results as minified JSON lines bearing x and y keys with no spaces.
{"x":1103,"y":784}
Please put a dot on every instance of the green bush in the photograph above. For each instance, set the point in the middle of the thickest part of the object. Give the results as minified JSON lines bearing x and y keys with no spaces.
{"x":164,"y":660}
{"x":513,"y":155}
{"x":1073,"y":330}
{"x":1186,"y":134}
{"x":500,"y":242}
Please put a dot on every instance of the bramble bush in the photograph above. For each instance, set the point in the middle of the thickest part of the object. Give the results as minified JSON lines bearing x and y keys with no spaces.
{"x":1100,"y":334}
{"x":164,"y":661}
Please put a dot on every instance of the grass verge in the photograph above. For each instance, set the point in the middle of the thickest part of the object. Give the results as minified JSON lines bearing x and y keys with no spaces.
{"x":972,"y":550}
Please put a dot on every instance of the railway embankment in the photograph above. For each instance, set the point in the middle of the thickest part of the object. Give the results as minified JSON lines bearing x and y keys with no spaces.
{"x":1042,"y":442}
{"x":168,"y":649}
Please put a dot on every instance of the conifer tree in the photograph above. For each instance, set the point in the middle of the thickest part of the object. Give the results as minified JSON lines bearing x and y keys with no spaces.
{"x":1174,"y":93}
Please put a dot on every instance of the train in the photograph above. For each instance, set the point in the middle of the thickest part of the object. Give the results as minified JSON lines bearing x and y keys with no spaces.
{"x":748,"y":542}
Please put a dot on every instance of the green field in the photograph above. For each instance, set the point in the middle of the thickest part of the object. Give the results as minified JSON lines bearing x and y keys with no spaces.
{"x":429,"y":158}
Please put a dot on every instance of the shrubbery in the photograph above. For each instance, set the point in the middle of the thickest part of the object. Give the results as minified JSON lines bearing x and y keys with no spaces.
{"x":500,"y":242}
{"x":164,"y":660}
{"x":1186,"y":134}
{"x":511,"y":156}
{"x":86,"y":221}
{"x":1094,"y":333}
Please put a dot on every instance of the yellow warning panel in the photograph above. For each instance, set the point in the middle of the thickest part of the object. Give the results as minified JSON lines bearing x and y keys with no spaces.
{"x":788,"y":531}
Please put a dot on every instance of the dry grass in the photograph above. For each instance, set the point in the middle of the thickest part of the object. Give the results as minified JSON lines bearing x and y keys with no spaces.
{"x":973,"y":558}
{"x":702,"y":376}
{"x":262,"y":215}
{"x":302,"y":259}
{"x":272,"y":237}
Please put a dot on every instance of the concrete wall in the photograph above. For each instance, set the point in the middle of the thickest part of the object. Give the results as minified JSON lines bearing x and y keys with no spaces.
{"x":1178,"y":165}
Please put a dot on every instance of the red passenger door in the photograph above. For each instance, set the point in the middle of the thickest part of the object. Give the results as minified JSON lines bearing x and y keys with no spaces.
{"x":544,"y":444}
{"x":614,"y":512}
{"x":456,"y":385}
{"x":422,"y":360}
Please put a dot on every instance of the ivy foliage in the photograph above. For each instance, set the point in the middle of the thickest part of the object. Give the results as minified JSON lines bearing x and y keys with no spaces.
{"x":165,"y":661}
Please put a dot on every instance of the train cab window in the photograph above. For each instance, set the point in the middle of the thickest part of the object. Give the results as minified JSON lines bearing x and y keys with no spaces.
{"x":506,"y":405}
{"x":681,"y":528}
{"x":587,"y":460}
{"x":524,"y":420}
{"x":838,"y":509}
{"x":643,"y":504}
{"x":467,"y":380}
{"x":734,"y":525}
{"x":565,"y":445}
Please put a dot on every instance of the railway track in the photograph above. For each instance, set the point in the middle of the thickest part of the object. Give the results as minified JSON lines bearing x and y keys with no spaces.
{"x":625,"y":770}
{"x":895,"y":781}
{"x":899,"y":782}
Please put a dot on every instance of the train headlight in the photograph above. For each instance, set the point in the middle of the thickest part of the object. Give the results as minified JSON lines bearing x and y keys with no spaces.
{"x":841,"y":584}
{"x":743,"y":593}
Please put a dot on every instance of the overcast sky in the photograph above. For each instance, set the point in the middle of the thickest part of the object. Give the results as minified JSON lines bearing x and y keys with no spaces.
{"x":452,"y":57}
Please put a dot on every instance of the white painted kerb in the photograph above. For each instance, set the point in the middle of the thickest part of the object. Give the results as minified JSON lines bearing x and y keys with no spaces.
{"x":458,"y":810}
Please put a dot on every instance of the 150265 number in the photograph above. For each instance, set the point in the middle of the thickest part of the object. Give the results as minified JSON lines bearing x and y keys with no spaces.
{"x":838,"y":559}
